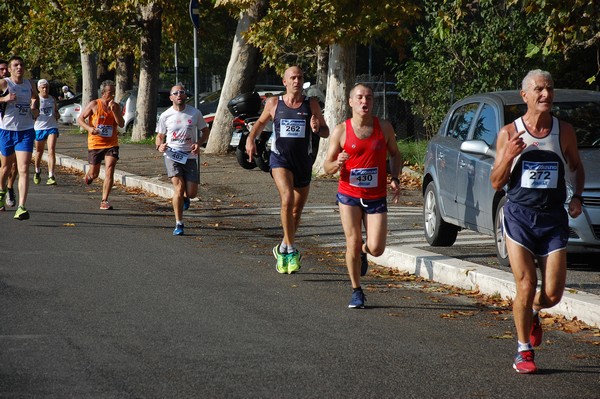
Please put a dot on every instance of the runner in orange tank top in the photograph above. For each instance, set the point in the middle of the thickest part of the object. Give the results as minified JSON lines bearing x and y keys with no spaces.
{"x":100,"y":119}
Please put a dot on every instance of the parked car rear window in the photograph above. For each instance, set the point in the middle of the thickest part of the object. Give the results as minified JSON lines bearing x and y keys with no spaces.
{"x":486,"y":128}
{"x":461,"y":121}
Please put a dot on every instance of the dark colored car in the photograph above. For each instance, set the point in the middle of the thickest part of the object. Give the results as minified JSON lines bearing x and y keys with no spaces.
{"x":459,"y":159}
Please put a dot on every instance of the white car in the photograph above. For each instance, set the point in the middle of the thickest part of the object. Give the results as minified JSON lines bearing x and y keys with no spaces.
{"x":69,"y":114}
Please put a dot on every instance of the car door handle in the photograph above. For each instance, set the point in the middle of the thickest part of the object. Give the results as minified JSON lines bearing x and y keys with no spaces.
{"x":462,"y":163}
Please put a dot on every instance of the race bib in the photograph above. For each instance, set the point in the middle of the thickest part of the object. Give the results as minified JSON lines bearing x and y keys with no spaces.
{"x":46,"y":111}
{"x":105,"y":130}
{"x":23,"y":108}
{"x":177,"y":156}
{"x":364,"y":177}
{"x":292,"y":128}
{"x":539,"y":175}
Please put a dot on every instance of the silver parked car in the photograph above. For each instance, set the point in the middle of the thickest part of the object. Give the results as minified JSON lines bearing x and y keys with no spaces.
{"x":458,"y":162}
{"x":68,"y":114}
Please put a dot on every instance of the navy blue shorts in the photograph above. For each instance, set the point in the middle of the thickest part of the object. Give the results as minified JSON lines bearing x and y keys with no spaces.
{"x":540,"y":232}
{"x":302,"y":172}
{"x":367,"y":206}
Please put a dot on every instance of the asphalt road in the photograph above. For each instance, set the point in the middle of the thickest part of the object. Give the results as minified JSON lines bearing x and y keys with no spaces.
{"x":100,"y":304}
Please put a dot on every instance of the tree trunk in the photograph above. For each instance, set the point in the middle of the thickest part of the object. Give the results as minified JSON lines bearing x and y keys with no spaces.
{"x":240,"y":78}
{"x":322,"y":61}
{"x":124,"y":75}
{"x":145,"y":120}
{"x":89,"y":83}
{"x":341,"y":77}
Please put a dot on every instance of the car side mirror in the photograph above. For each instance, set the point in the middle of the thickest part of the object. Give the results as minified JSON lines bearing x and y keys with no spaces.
{"x":477,"y":147}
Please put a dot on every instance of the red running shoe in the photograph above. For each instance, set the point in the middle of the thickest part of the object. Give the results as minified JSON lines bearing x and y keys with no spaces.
{"x":535,"y":338}
{"x":524,"y":363}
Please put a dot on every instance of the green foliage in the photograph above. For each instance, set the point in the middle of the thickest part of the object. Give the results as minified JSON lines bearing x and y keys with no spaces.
{"x":146,"y":140}
{"x":292,"y":29}
{"x":413,"y":152}
{"x":481,"y":48}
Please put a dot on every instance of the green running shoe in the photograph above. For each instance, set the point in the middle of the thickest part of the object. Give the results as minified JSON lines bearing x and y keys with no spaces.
{"x":51,"y":181}
{"x":36,"y":178}
{"x":293,"y":261}
{"x":21,"y":213}
{"x":282,"y":260}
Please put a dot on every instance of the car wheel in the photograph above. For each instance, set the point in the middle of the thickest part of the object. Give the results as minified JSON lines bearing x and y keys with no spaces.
{"x":499,"y":236}
{"x":437,"y":232}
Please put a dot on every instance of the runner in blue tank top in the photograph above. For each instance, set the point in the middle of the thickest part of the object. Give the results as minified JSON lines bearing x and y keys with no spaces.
{"x":533,"y":154}
{"x":295,"y":118}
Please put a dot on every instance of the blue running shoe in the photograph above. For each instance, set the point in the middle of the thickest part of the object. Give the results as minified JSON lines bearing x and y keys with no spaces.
{"x":186,"y":203}
{"x":178,"y":229}
{"x":358,"y":300}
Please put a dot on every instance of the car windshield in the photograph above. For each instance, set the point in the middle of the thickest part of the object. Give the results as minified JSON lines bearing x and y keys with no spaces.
{"x":584,"y":116}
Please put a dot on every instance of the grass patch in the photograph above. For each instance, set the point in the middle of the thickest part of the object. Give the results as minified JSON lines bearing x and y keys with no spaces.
{"x":413,"y":152}
{"x":145,"y":141}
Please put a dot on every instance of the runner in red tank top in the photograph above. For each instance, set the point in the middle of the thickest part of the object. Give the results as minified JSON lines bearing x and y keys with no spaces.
{"x":357,"y":150}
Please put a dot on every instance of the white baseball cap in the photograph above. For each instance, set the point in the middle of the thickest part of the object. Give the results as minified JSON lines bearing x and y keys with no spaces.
{"x":65,"y":88}
{"x":42,"y":82}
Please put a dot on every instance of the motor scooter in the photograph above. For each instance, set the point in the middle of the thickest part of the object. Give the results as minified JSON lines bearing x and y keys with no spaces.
{"x":246,"y":110}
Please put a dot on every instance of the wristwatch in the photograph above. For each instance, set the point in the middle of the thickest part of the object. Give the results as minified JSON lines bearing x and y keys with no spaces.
{"x":579,"y":197}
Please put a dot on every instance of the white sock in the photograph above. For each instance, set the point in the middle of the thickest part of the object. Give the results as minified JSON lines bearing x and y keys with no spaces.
{"x":523,"y":347}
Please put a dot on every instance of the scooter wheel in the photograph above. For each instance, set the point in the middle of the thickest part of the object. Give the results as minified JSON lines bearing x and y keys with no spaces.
{"x":242,"y":159}
{"x":263,"y":157}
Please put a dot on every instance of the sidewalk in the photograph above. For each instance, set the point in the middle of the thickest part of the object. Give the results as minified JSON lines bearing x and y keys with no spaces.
{"x":141,"y":166}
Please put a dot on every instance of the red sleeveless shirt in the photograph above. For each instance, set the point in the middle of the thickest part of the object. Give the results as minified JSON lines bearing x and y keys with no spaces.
{"x":364,"y":174}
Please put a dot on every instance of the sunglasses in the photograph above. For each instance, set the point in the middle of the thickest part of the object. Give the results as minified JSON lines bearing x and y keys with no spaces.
{"x":178,"y":92}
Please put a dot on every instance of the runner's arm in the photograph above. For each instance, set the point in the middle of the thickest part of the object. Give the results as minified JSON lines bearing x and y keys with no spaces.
{"x":335,"y":155}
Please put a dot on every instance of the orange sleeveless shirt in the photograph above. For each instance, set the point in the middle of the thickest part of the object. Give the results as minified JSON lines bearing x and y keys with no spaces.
{"x":104,"y":119}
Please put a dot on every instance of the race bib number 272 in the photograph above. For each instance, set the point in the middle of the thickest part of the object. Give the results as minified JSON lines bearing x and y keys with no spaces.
{"x":540,"y":175}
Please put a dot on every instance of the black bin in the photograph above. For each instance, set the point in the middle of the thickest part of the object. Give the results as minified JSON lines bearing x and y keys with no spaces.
{"x":245,"y":104}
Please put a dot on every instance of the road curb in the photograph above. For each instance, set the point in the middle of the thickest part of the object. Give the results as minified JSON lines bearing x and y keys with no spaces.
{"x":470,"y":276}
{"x":159,"y":188}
